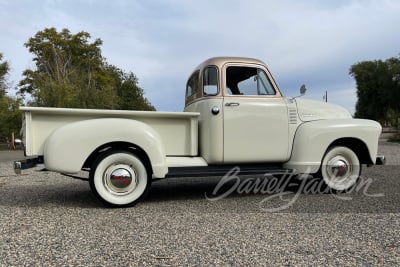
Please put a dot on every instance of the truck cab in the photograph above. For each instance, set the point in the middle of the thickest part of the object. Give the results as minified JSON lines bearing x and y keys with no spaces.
{"x":243,"y":116}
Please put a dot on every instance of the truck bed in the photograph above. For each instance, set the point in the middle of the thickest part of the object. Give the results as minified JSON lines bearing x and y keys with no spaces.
{"x":178,"y":130}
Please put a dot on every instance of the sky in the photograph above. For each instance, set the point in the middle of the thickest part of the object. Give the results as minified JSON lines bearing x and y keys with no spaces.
{"x":303,"y":42}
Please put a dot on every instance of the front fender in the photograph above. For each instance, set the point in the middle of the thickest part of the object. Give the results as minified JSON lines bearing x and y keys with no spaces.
{"x":67,"y":148}
{"x":313,"y":138}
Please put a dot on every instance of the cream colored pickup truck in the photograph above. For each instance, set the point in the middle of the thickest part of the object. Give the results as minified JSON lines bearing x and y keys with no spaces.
{"x":234,"y":115}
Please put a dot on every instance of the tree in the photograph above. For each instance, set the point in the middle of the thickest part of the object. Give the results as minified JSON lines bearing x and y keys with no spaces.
{"x":4,"y":69}
{"x":378,"y":89}
{"x":131,"y":96}
{"x":394,"y":94}
{"x":10,"y":116}
{"x":71,"y":72}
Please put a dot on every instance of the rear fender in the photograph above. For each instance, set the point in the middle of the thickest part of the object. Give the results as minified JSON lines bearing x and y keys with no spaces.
{"x":68,"y":147}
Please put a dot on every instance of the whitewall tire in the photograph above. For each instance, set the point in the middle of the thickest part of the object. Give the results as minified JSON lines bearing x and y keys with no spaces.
{"x":340,"y":168}
{"x":119,"y":178}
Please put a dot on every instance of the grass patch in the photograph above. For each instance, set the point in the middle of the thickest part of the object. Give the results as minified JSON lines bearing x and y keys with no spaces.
{"x":4,"y":147}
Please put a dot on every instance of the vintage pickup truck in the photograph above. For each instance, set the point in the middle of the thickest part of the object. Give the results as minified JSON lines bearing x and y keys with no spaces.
{"x":235,"y":115}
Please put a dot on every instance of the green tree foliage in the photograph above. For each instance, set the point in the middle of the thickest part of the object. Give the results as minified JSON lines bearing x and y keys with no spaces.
{"x":10,"y":116}
{"x":71,"y":72}
{"x":4,"y":68}
{"x":394,"y":70}
{"x":130,"y":95}
{"x":378,"y":89}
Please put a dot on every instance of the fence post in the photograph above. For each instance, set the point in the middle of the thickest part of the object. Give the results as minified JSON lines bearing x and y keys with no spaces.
{"x":12,"y":141}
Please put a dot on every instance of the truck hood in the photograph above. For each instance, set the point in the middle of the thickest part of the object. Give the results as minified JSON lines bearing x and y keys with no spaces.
{"x":311,"y":110}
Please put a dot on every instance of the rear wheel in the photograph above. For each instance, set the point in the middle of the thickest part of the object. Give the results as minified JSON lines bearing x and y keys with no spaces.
{"x":119,"y":178}
{"x":340,"y":168}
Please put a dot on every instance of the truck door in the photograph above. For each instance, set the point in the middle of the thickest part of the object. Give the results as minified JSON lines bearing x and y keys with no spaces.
{"x":255,"y":117}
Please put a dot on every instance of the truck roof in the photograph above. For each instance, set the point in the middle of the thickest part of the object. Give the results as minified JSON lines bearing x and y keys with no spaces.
{"x":220,"y":61}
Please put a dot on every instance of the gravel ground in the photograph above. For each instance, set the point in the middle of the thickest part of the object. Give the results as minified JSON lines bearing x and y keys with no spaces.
{"x":7,"y":155}
{"x":51,"y":220}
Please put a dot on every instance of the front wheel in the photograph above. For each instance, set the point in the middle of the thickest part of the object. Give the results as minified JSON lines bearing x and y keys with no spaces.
{"x":119,"y":178}
{"x":340,"y":168}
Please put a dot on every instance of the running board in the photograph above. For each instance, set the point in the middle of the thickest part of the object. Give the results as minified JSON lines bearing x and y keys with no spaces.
{"x":222,"y":170}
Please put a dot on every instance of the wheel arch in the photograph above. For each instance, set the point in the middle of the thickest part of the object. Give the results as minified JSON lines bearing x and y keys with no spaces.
{"x":355,"y":144}
{"x":121,"y":146}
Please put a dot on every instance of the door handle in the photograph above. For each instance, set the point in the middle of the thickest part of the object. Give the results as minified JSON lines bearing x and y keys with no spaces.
{"x":232,"y":104}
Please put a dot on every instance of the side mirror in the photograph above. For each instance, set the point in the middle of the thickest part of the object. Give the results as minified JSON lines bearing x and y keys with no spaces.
{"x":303,"y":90}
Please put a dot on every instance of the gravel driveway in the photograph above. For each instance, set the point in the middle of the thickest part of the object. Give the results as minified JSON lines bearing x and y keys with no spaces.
{"x":7,"y":156}
{"x":51,"y":220}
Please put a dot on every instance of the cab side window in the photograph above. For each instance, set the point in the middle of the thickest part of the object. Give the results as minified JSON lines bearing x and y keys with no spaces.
{"x":248,"y":81}
{"x":210,"y":81}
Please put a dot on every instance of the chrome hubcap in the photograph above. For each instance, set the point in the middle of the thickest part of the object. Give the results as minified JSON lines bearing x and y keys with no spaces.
{"x":339,"y":168}
{"x":120,"y":179}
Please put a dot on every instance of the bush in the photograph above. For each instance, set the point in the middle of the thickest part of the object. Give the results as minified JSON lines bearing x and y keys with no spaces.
{"x":395,"y":138}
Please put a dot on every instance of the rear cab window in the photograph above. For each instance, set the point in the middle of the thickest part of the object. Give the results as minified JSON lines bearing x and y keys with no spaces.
{"x":210,"y":81}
